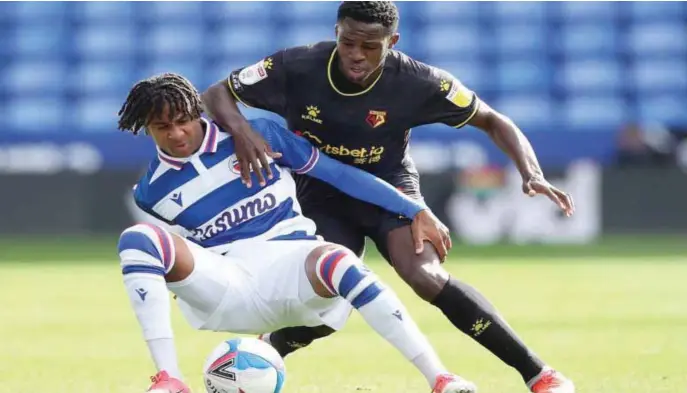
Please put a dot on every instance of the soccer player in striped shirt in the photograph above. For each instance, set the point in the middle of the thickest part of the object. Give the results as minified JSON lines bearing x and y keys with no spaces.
{"x":244,"y":259}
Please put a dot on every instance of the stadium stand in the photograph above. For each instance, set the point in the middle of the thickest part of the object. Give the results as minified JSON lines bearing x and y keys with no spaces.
{"x":552,"y":66}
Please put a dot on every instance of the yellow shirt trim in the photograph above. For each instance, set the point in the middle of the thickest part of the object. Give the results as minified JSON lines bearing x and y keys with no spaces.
{"x":474,"y":112}
{"x":236,"y":96}
{"x":331,"y":82}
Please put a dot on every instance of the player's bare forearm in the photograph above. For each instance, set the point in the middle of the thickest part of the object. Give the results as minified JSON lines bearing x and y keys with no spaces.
{"x":221,"y":107}
{"x":508,"y":137}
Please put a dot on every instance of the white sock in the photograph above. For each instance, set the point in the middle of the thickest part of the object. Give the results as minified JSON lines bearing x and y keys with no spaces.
{"x":164,"y":355}
{"x":146,"y":255}
{"x":344,"y":274}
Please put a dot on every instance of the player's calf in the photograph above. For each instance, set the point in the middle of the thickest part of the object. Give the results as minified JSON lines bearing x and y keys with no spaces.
{"x":336,"y":271}
{"x":149,"y":255}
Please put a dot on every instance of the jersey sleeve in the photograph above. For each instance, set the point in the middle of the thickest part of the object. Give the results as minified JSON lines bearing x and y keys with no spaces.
{"x":449,"y":101}
{"x":142,"y":214}
{"x":304,"y":158}
{"x":261,"y":85}
{"x":297,"y":153}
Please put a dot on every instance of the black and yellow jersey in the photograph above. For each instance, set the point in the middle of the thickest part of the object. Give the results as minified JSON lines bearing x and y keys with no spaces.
{"x":367,"y":128}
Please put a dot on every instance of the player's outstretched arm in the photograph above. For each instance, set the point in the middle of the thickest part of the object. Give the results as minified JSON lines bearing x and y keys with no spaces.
{"x":261,"y":85}
{"x":369,"y":188}
{"x":304,"y":158}
{"x":508,"y":137}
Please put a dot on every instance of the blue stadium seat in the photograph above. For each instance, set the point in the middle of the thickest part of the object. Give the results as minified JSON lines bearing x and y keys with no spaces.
{"x":521,"y":39}
{"x":173,"y":40}
{"x":472,"y":74}
{"x":246,"y":40}
{"x":518,"y":11}
{"x":599,"y":113}
{"x":103,"y":11}
{"x":41,"y":113}
{"x":306,"y":34}
{"x":96,"y":114}
{"x":39,"y":10}
{"x":665,"y":109}
{"x":23,"y":77}
{"x":450,"y":11}
{"x":6,"y":12}
{"x":102,"y":77}
{"x":528,"y":110}
{"x":658,"y":39}
{"x":242,"y":12}
{"x":310,"y":11}
{"x":524,"y":75}
{"x":112,"y":41}
{"x":653,"y":10}
{"x":171,"y":11}
{"x":591,"y":76}
{"x":601,"y":11}
{"x":462,"y":40}
{"x":40,"y":41}
{"x":587,"y":40}
{"x":660,"y":75}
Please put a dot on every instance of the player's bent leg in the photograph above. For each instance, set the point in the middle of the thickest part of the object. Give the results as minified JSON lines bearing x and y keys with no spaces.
{"x":149,"y":256}
{"x":334,"y":271}
{"x":462,"y":304}
{"x":334,"y":230}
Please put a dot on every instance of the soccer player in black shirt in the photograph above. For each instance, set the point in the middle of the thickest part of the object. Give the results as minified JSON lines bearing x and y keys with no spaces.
{"x":357,"y":99}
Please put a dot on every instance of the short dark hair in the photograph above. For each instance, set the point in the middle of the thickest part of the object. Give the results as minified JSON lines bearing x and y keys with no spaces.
{"x":382,"y":12}
{"x":148,"y":98}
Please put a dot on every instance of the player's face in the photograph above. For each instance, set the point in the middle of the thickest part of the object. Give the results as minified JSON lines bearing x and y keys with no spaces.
{"x":179,"y":137}
{"x":362,"y":48}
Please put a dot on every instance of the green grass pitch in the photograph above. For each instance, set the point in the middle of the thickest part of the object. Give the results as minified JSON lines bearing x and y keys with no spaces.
{"x":615,"y":324}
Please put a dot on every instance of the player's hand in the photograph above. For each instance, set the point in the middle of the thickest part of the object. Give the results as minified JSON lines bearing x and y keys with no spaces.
{"x":427,"y":227}
{"x":538,"y":185}
{"x":252,"y":152}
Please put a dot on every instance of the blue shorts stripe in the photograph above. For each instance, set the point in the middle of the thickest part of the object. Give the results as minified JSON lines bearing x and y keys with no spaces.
{"x":143,"y":269}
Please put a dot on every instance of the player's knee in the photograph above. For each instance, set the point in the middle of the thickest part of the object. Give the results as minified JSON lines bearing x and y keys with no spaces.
{"x":422,"y":273}
{"x":340,"y":272}
{"x":146,"y":248}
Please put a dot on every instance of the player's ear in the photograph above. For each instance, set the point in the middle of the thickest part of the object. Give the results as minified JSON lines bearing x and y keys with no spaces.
{"x":394,"y":40}
{"x":336,"y":31}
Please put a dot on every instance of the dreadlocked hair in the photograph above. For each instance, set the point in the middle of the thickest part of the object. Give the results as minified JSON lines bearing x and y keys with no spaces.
{"x":148,"y":98}
{"x":382,"y":12}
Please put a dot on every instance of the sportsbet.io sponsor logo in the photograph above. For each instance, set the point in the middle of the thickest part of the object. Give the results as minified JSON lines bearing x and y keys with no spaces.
{"x":361,"y":155}
{"x":235,"y":216}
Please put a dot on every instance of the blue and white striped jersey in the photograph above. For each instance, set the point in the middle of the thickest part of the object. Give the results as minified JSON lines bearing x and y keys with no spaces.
{"x":203,"y":199}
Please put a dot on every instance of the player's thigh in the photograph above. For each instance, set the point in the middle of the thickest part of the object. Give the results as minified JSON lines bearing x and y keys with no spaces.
{"x":202,"y":291}
{"x":423,"y":272}
{"x":385,"y":223}
{"x":276,"y":292}
{"x":335,"y":228}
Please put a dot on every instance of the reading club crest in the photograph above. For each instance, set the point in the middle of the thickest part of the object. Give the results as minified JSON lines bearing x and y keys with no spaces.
{"x":234,"y":165}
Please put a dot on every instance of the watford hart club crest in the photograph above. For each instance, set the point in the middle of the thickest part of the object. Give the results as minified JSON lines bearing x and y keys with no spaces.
{"x":376,"y":118}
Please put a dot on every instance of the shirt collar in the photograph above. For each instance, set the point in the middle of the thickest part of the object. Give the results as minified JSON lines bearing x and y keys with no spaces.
{"x":209,"y":145}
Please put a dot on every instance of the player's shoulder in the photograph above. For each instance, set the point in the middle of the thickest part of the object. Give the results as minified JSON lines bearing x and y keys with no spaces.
{"x":308,"y":57}
{"x":141,"y":190}
{"x":420,"y":75}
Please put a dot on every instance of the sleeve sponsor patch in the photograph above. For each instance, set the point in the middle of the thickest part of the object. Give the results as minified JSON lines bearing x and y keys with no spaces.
{"x":253,"y":74}
{"x":459,"y":95}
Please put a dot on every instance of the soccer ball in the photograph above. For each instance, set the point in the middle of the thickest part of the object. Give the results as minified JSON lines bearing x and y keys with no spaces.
{"x":244,"y":365}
